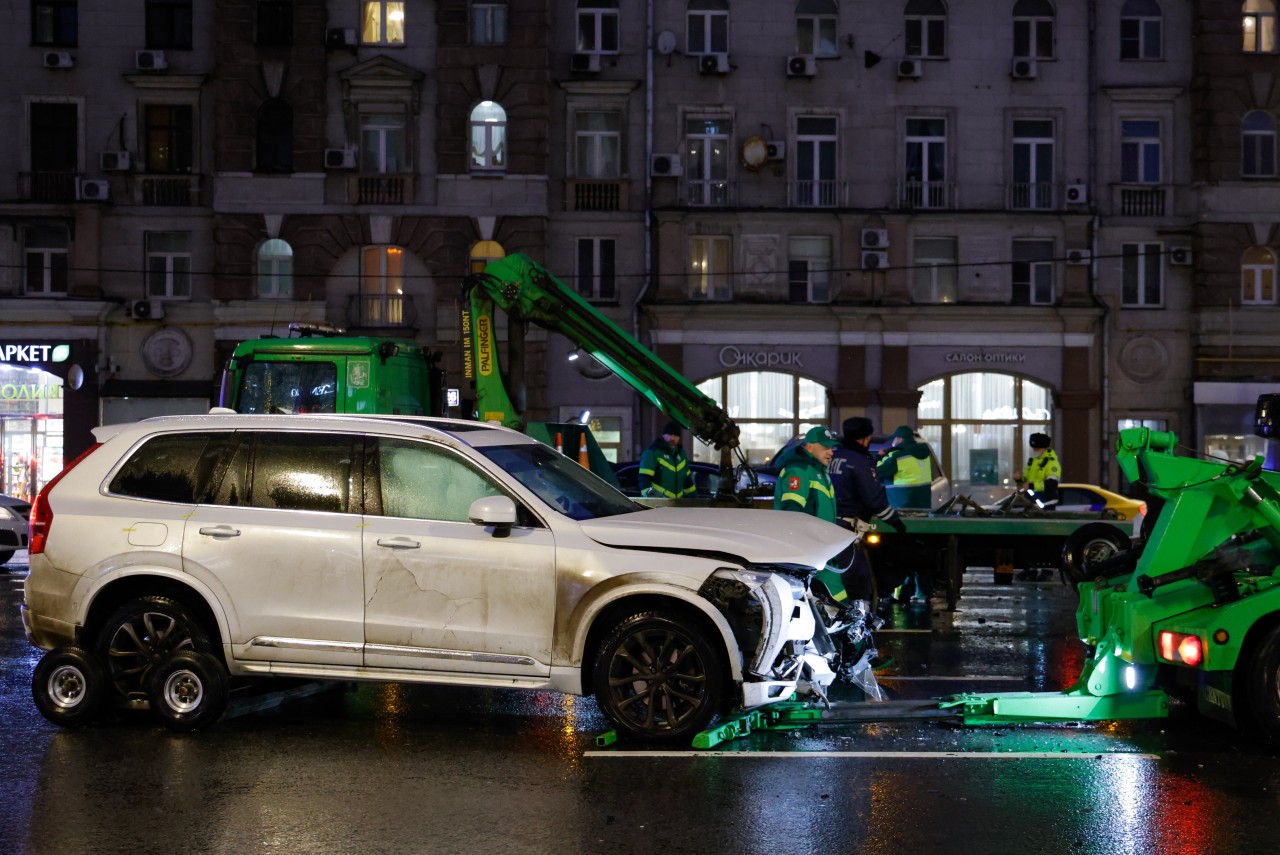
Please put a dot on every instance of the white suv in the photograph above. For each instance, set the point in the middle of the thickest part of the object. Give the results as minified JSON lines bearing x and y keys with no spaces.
{"x":184,"y":550}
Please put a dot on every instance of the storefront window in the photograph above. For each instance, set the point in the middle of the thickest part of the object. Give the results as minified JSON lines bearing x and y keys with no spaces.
{"x":980,"y":422}
{"x":769,"y":407}
{"x":30,"y":430}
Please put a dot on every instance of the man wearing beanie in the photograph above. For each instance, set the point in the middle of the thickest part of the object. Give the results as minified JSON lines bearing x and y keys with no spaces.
{"x":664,"y":467}
{"x":906,"y":465}
{"x":1040,"y":479}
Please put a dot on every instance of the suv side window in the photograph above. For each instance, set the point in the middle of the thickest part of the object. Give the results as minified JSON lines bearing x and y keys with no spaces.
{"x":293,"y":471}
{"x":419,"y":481}
{"x":171,"y":467}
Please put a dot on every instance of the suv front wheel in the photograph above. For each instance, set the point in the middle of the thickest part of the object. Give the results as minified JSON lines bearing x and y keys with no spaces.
{"x":659,"y":678}
{"x":142,"y":632}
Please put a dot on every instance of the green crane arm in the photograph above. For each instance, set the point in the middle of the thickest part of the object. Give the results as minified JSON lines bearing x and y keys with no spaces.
{"x":526,"y":291}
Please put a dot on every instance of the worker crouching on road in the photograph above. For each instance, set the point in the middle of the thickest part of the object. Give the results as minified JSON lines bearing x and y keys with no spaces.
{"x":664,"y":467}
{"x":906,"y":466}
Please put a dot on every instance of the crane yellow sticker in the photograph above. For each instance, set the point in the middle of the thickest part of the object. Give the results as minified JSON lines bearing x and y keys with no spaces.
{"x":484,"y":345}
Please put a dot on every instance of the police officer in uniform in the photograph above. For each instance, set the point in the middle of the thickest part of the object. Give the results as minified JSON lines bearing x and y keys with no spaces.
{"x":906,"y":465}
{"x":1040,"y":479}
{"x":664,"y":467}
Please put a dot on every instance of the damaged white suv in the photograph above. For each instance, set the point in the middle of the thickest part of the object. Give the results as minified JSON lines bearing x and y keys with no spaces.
{"x":185,"y":550}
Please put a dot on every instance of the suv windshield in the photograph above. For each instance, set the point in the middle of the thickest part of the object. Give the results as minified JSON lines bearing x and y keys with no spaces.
{"x":560,"y":482}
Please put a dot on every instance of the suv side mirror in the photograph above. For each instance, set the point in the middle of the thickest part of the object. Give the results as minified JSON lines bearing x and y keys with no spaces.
{"x":496,"y":511}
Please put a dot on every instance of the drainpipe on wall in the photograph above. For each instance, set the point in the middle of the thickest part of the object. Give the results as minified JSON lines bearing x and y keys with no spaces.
{"x":1104,"y":476}
{"x":647,"y":280}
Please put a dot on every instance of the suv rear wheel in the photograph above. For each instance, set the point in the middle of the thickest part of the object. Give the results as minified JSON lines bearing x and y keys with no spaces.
{"x":142,"y":632}
{"x":659,"y":678}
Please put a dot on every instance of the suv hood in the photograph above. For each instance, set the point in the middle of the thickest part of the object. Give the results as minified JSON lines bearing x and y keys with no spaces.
{"x":757,"y":536}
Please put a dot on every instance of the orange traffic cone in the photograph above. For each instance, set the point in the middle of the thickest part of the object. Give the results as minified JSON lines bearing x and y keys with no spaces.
{"x":559,"y":444}
{"x":582,"y":452}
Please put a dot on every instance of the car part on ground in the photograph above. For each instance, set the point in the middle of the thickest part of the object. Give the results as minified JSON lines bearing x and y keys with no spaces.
{"x":69,"y":686}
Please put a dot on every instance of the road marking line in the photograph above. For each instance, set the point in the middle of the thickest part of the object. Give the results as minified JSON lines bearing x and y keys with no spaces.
{"x":972,"y":677}
{"x":901,"y":631}
{"x":885,"y":755}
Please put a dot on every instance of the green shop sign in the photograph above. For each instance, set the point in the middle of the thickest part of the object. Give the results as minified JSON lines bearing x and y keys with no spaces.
{"x":28,"y":353}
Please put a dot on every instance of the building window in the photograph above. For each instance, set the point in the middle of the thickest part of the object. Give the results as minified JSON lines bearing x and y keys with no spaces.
{"x":55,"y":23}
{"x":980,"y":423}
{"x":382,"y":286}
{"x":1258,"y":145}
{"x":933,"y":270}
{"x":1259,"y":23}
{"x":809,"y":270}
{"x":926,"y":29}
{"x":708,"y":26}
{"x":598,"y":144}
{"x":707,"y":160}
{"x":816,"y":27}
{"x":275,"y":23}
{"x":709,"y":268}
{"x":1258,"y":276}
{"x":483,"y":252}
{"x":382,"y":23}
{"x":382,"y":144}
{"x":1140,"y":151}
{"x":596,"y":278}
{"x":1141,"y":30}
{"x":1142,"y":275}
{"x":275,"y":270}
{"x":1033,"y":186}
{"x":55,"y":150}
{"x":815,"y":162}
{"x":597,"y":26}
{"x":1032,"y":273}
{"x":168,"y":264}
{"x":170,"y":134}
{"x":169,"y":24}
{"x":1033,"y":29}
{"x":926,"y":163}
{"x":769,"y":407}
{"x":275,"y":136}
{"x":488,"y":137}
{"x":46,"y":262}
{"x":489,"y":23}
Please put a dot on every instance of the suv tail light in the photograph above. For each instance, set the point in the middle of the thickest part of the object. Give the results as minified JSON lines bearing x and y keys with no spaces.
{"x":41,"y":513}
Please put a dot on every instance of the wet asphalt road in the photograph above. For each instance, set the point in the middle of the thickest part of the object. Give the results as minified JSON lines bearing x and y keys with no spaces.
{"x":407,"y":769}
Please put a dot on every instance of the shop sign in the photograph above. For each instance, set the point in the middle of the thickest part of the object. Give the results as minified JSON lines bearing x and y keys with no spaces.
{"x":973,"y":357}
{"x":735,"y":357}
{"x":29,"y":392}
{"x":27,"y":353}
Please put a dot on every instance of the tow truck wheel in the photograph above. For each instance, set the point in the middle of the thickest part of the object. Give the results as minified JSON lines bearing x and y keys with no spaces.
{"x":69,"y":687}
{"x":1264,"y":686}
{"x":187,"y":690}
{"x":659,"y":678}
{"x":1090,"y":543}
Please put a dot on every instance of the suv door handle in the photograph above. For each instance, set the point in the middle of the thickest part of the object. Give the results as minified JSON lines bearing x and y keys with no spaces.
{"x":398,"y":543}
{"x":220,"y":531}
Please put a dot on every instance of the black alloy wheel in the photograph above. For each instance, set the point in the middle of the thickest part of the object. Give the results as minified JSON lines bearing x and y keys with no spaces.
{"x":139,"y":634}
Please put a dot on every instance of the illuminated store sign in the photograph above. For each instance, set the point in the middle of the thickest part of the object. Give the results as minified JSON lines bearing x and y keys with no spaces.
{"x":27,"y":353}
{"x":734,"y":357}
{"x":29,"y":392}
{"x":978,"y":356}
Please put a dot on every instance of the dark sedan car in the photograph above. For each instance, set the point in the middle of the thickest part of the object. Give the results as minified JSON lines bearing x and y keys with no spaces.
{"x":706,"y":477}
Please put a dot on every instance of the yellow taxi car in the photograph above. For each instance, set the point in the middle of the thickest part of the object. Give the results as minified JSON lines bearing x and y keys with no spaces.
{"x":1085,"y":498}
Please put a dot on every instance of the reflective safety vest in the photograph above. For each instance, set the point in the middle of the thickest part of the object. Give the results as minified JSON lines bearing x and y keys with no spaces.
{"x":911,"y":471}
{"x":664,"y":471}
{"x":803,"y":485}
{"x":1043,"y":468}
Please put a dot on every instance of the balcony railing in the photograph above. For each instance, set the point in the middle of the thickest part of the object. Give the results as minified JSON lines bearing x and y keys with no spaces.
{"x":595,"y":194}
{"x":48,"y":186}
{"x":1141,"y":200}
{"x":1032,"y":196}
{"x":380,"y":311}
{"x":715,"y":193}
{"x":818,"y":194}
{"x":926,"y":194}
{"x":380,"y":189}
{"x":177,"y":191}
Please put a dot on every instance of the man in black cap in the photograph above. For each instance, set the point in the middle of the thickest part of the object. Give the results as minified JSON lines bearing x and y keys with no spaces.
{"x":664,"y":467}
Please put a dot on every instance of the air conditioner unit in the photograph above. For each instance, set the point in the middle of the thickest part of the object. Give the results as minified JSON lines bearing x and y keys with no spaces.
{"x":1079,"y":256}
{"x":910,"y":68}
{"x":114,"y":161}
{"x":776,"y":149}
{"x":338,"y":37}
{"x":875,"y":238}
{"x":1077,"y":194}
{"x":1022,"y":68}
{"x":585,"y":63}
{"x":58,"y":59}
{"x":1180,"y":255}
{"x":146,"y":310}
{"x":801,"y":65}
{"x":714,"y":63}
{"x":665,"y":166}
{"x":92,"y":191}
{"x":339,"y":158}
{"x":874,"y":259}
{"x":150,"y":60}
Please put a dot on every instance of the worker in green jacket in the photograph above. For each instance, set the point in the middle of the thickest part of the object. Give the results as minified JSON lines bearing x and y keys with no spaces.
{"x":906,"y":466}
{"x":664,"y":466}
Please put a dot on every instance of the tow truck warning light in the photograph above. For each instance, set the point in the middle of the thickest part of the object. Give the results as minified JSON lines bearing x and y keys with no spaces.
{"x":1180,"y":647}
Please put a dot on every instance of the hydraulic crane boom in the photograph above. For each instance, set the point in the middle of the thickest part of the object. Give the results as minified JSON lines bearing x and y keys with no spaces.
{"x":526,"y":291}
